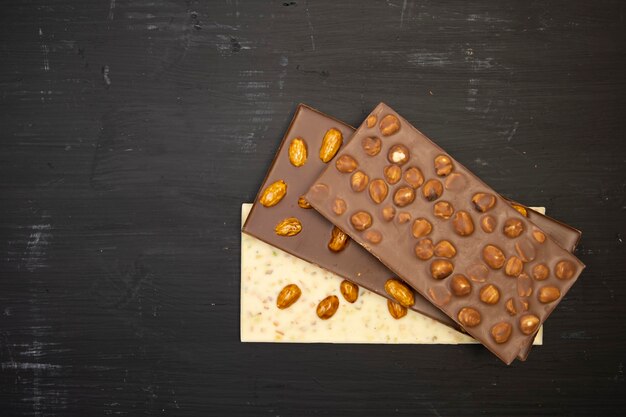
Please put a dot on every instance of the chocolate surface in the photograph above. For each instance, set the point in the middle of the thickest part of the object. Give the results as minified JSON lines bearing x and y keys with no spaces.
{"x":498,"y":253}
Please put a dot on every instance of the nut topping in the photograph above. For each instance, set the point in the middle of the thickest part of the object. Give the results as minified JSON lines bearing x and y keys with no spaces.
{"x":396,"y":310}
{"x":528,"y":323}
{"x":469,"y":317}
{"x":400,"y":292}
{"x":564,"y":270}
{"x":327,"y":307}
{"x":373,"y":236}
{"x":463,"y":223}
{"x":346,"y":164}
{"x":483,"y":202}
{"x":525,"y":249}
{"x":424,"y":249}
{"x":539,"y":236}
{"x":421,"y":227}
{"x":541,"y":272}
{"x":513,"y":228}
{"x":361,"y":220}
{"x":378,"y":191}
{"x":493,"y":256}
{"x":414,"y":177}
{"x":548,"y":294}
{"x":440,"y":269}
{"x":443,"y":210}
{"x":273,"y":193}
{"x":432,"y":190}
{"x":303,"y":203}
{"x":439,"y":295}
{"x":389,"y":213}
{"x":339,"y":206}
{"x":501,"y":332}
{"x":349,"y":290}
{"x":358,"y":181}
{"x":288,"y":227}
{"x":445,"y":249}
{"x":371,"y":145}
{"x":389,"y":125}
{"x":488,"y":223}
{"x":338,"y":240}
{"x":460,"y":285}
{"x":513,"y":266}
{"x":297,"y":152}
{"x":403,"y":196}
{"x":287,"y":296}
{"x":398,"y":154}
{"x":392,"y":173}
{"x":371,"y":121}
{"x":489,"y":294}
{"x":443,"y":165}
{"x":330,"y":144}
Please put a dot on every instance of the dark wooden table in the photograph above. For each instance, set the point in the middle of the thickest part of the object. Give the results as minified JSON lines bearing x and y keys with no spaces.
{"x":132,"y":130}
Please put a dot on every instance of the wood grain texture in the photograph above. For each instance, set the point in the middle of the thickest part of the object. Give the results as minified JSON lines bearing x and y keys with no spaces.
{"x":132,"y":130}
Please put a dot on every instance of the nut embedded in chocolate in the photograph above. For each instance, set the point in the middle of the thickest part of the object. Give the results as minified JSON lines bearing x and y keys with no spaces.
{"x":483,"y":202}
{"x":525,"y":249}
{"x":330,"y":144}
{"x":398,"y":154}
{"x":501,"y":332}
{"x":349,"y":290}
{"x":520,"y":209}
{"x":445,"y":249}
{"x":361,"y":220}
{"x":489,"y":294}
{"x":371,"y":145}
{"x":358,"y":181}
{"x":443,"y":210}
{"x":373,"y":236}
{"x":443,"y":165}
{"x":396,"y":310}
{"x":339,"y":206}
{"x":421,"y":227}
{"x":424,"y":249}
{"x":439,"y":295}
{"x":288,"y":227}
{"x":513,"y":228}
{"x":455,"y":182}
{"x":378,"y":191}
{"x":346,"y":164}
{"x":414,"y":177}
{"x":528,"y":323}
{"x":440,"y":269}
{"x":273,"y":193}
{"x":400,"y":292}
{"x":404,"y":217}
{"x":469,"y":317}
{"x":524,"y":285}
{"x":287,"y":296}
{"x":460,"y":285}
{"x":371,"y":121}
{"x":403,"y":196}
{"x":389,"y":125}
{"x":488,"y":223}
{"x":319,"y":190}
{"x":493,"y":256}
{"x":514,"y":266}
{"x":477,"y":272}
{"x":541,"y":272}
{"x":327,"y":307}
{"x":564,"y":270}
{"x":303,"y":203}
{"x":389,"y":213}
{"x":432,"y":190}
{"x":463,"y":223}
{"x":297,"y":152}
{"x":510,"y":307}
{"x":539,"y":236}
{"x":392,"y":173}
{"x":338,"y":240}
{"x":548,"y":294}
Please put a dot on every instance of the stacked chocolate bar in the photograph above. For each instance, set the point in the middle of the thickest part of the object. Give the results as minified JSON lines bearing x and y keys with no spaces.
{"x":443,"y":243}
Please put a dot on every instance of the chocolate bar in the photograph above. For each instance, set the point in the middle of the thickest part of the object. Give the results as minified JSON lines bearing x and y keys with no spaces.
{"x":445,"y":233}
{"x":353,"y":262}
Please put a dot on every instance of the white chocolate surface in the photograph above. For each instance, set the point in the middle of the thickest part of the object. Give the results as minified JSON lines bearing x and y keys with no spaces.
{"x":265,"y":270}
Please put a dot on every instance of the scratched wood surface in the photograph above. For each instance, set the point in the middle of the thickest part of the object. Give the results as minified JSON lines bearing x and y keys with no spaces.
{"x":132,"y":130}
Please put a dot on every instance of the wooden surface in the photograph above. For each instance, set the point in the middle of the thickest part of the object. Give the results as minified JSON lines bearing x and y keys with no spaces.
{"x":132,"y":131}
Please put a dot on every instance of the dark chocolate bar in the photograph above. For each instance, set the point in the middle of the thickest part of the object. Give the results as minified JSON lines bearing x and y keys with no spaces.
{"x":445,"y":232}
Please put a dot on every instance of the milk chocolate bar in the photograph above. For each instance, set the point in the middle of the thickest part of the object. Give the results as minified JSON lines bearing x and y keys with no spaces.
{"x":445,"y":233}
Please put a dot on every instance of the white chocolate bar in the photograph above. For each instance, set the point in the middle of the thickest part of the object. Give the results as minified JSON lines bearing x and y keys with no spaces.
{"x":265,"y":270}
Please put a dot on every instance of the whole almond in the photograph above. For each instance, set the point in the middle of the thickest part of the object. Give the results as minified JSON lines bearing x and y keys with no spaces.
{"x":330,"y":144}
{"x":303,"y":203}
{"x":297,"y":152}
{"x":349,"y":290}
{"x":396,"y":310}
{"x":287,"y":296}
{"x":400,"y":292}
{"x":273,"y":193}
{"x":327,"y":307}
{"x":288,"y":227}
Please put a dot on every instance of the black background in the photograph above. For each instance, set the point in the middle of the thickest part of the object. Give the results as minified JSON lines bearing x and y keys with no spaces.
{"x":132,"y":130}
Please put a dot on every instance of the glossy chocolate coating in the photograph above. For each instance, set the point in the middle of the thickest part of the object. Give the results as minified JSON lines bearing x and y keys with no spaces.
{"x":513,"y":234}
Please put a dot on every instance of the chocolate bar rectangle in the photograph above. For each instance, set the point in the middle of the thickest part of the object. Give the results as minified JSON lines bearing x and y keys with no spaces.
{"x":445,"y":233}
